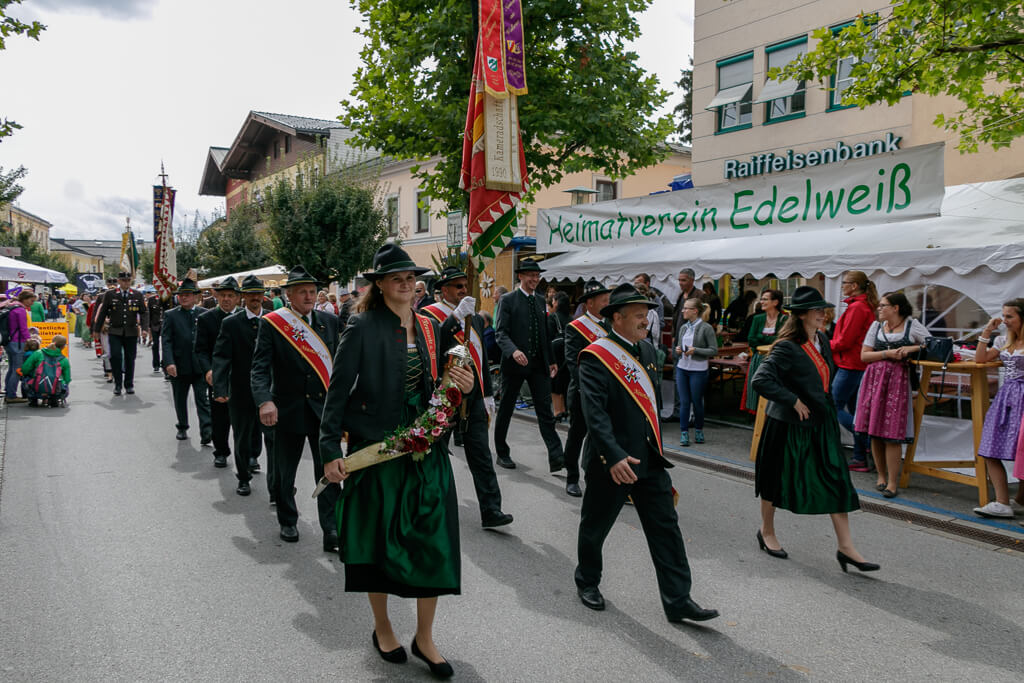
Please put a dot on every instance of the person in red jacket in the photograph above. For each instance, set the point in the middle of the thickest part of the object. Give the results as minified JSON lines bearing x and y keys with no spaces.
{"x":861,"y":299}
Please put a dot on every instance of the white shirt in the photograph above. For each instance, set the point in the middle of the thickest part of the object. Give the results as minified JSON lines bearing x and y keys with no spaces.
{"x":691,"y":363}
{"x":249,"y":315}
{"x":918,"y":332}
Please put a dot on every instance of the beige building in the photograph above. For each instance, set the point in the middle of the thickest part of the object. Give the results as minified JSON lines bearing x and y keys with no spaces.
{"x":80,"y":260}
{"x":23,"y":221}
{"x":739,"y":114}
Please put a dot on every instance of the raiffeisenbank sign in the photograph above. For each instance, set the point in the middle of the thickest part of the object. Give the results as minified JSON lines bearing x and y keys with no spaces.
{"x":794,"y":161}
{"x":886,"y":188}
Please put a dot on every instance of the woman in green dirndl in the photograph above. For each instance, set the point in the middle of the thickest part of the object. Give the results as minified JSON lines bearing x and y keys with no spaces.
{"x":398,"y":525}
{"x":800,"y":464}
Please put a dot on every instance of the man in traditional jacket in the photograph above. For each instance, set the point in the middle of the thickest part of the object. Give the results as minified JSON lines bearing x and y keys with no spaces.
{"x":124,"y":309}
{"x":182,"y":364}
{"x":624,"y":457}
{"x":207,"y":329}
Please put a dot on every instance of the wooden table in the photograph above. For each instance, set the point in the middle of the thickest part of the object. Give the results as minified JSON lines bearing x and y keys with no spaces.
{"x":978,"y":373}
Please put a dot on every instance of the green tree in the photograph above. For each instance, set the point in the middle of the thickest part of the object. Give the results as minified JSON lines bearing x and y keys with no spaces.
{"x":32,"y":253}
{"x":9,"y":187}
{"x":684,"y":110}
{"x":146,"y":257}
{"x":332,"y":226}
{"x":10,"y":26}
{"x":973,"y":51}
{"x":235,"y":244}
{"x":186,"y":246}
{"x":590,"y":107}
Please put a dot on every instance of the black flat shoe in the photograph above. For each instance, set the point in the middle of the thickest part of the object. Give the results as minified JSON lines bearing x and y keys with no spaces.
{"x":880,"y":487}
{"x":591,"y":597}
{"x":496,"y":520}
{"x":863,"y":566}
{"x":780,"y":553}
{"x":574,"y":490}
{"x":396,"y":656}
{"x":289,"y":534}
{"x":220,"y":461}
{"x":506,"y":462}
{"x":889,"y":493}
{"x":182,"y":435}
{"x":693,"y":612}
{"x":243,"y":488}
{"x":442,"y":670}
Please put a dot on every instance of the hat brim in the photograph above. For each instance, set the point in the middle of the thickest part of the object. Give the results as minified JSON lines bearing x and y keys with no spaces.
{"x":301,"y":281}
{"x":453,"y":278}
{"x":813,"y":306}
{"x":251,"y":290}
{"x":536,"y":269}
{"x":588,"y":295}
{"x":378,"y":274}
{"x":607,"y":311}
{"x":226,"y":289}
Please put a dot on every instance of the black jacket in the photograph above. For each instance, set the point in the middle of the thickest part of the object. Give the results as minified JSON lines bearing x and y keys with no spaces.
{"x":512,"y":328}
{"x":616,"y":426}
{"x":280,"y":374}
{"x":368,"y":384}
{"x":232,"y":357}
{"x":177,"y":340}
{"x":788,"y":373}
{"x":126,"y":313}
{"x":207,"y":329}
{"x":574,"y":343}
{"x":156,"y":308}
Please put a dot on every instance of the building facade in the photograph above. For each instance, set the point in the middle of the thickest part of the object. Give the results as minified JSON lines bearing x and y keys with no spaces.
{"x":741,"y":117}
{"x":20,"y":221}
{"x":80,"y":260}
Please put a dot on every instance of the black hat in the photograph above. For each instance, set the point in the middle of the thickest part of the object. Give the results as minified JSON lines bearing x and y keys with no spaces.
{"x":806,"y":299}
{"x":250,"y":284}
{"x":391,"y":258}
{"x":299,"y":276}
{"x":592,"y":288}
{"x":187,"y":285}
{"x":449,"y":274}
{"x":229,"y":283}
{"x":111,"y":280}
{"x":124,"y":275}
{"x":528,"y":265}
{"x":623,"y":295}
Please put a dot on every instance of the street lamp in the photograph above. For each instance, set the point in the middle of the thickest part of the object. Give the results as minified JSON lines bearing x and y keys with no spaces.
{"x":581,"y":195}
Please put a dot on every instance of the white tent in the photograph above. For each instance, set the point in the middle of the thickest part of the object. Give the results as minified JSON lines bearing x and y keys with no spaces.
{"x":13,"y":270}
{"x":275,"y":272}
{"x":976,"y":246}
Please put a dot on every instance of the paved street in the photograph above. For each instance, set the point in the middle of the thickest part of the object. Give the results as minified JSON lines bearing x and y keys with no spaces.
{"x":125,"y":555}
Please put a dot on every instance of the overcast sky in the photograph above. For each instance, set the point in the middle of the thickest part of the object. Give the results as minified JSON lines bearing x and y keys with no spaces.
{"x":115,"y":86}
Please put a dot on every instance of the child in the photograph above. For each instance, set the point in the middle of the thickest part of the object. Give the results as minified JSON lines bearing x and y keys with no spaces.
{"x":52,"y":355}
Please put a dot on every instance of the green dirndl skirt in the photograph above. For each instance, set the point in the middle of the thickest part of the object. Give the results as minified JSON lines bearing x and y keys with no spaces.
{"x":398,"y":526}
{"x":803,"y":469}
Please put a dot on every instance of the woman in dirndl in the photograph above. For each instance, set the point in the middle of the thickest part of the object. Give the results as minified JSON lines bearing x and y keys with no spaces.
{"x":763,"y":330}
{"x":800,"y":464}
{"x":398,"y":526}
{"x":884,"y":402}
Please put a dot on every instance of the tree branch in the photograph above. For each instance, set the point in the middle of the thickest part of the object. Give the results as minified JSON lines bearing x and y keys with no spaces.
{"x":983,"y":47}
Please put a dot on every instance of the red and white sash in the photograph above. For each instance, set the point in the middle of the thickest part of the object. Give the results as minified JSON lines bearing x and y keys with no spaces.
{"x":820,"y":364}
{"x":589,"y":328}
{"x":632,"y":376}
{"x":428,"y":336}
{"x":307,"y":342}
{"x":440,"y":312}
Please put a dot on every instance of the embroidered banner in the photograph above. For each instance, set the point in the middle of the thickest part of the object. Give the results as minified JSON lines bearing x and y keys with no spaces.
{"x":165,"y":266}
{"x":491,"y":44}
{"x":633,"y":378}
{"x":306,"y":341}
{"x":515,"y":57}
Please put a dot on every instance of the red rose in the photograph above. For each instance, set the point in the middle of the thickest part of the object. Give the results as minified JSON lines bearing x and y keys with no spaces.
{"x":420,"y":445}
{"x":408,"y":445}
{"x":453,"y":395}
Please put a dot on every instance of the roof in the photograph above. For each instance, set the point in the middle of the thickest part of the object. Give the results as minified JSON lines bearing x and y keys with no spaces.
{"x":295,"y":124}
{"x":60,"y":244}
{"x":110,"y":250}
{"x":31,"y":215}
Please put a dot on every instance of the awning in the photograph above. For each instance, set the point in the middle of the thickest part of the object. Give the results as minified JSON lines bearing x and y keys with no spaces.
{"x":774,"y":90}
{"x":19,"y":271}
{"x":266,"y":273}
{"x":729,"y":95}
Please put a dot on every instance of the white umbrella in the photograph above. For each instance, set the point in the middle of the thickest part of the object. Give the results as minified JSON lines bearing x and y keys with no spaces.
{"x":19,"y":271}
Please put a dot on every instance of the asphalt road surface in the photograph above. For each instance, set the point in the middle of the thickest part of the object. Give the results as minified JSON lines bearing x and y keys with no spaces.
{"x":126,"y":556}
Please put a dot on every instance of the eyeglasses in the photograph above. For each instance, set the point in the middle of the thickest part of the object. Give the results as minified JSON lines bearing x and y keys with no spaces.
{"x":849,"y":282}
{"x":885,"y":305}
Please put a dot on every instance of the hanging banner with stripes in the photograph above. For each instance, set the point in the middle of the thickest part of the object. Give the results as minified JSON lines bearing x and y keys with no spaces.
{"x":165,"y":267}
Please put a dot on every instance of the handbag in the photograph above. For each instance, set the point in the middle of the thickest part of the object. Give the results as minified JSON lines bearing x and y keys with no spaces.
{"x":937,"y":349}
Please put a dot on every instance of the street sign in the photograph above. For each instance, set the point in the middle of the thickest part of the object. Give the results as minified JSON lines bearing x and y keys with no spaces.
{"x":13,"y":252}
{"x":454,"y":228}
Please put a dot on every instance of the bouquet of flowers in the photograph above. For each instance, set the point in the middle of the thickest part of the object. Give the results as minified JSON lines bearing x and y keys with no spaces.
{"x":430,"y":426}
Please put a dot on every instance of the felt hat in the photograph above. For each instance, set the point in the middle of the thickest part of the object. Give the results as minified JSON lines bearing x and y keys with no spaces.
{"x":391,"y":258}
{"x":299,"y":276}
{"x":806,"y":299}
{"x":229,"y":283}
{"x":251,"y":284}
{"x":124,"y":275}
{"x":528,"y":265}
{"x":187,"y":286}
{"x":592,"y":288}
{"x":624,"y":295}
{"x":448,"y":274}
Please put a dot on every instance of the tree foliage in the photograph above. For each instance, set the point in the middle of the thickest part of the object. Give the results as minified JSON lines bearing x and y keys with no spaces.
{"x":684,"y":110}
{"x":590,"y":107}
{"x":972,"y":50}
{"x":332,"y":225}
{"x":32,"y":252}
{"x":235,"y":244}
{"x":10,"y":189}
{"x":186,"y":246}
{"x":11,"y":26}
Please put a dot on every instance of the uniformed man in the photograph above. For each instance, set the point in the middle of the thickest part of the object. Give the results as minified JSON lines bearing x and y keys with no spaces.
{"x":522,"y":334}
{"x":581,"y":332}
{"x":452,"y":290}
{"x":624,"y":457}
{"x":207,"y":329}
{"x":124,"y":310}
{"x":182,"y":364}
{"x":291,"y":370}
{"x":232,"y":364}
{"x":156,"y":308}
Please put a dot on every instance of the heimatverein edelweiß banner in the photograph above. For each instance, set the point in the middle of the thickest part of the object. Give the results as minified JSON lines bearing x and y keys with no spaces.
{"x":899,"y":186}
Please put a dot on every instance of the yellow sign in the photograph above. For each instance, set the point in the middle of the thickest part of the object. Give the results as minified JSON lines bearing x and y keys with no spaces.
{"x":47,"y":331}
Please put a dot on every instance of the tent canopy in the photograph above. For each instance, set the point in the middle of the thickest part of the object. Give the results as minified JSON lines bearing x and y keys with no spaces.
{"x":19,"y":271}
{"x":272,"y":272}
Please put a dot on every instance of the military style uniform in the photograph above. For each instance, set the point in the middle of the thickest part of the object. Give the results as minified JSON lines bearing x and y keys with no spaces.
{"x":124,"y":310}
{"x":156,"y":307}
{"x":179,"y":333}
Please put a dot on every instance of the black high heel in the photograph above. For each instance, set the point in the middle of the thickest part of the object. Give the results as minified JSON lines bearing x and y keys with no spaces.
{"x":442,"y":670}
{"x":396,"y":656}
{"x":780,"y":553}
{"x":845,"y":559}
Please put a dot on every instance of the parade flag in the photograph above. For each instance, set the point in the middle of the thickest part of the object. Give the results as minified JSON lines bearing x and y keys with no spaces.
{"x":493,"y":162}
{"x":129,"y":253}
{"x":165,"y":267}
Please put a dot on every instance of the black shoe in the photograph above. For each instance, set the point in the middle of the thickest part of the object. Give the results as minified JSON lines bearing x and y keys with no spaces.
{"x":206,"y":441}
{"x":182,"y":435}
{"x":889,"y":493}
{"x":780,"y":553}
{"x":693,"y":612}
{"x":591,"y":597}
{"x":289,"y":534}
{"x":442,"y":670}
{"x":573,"y":489}
{"x":117,"y":391}
{"x":556,"y":464}
{"x":243,"y":488}
{"x":220,"y":461}
{"x":495,"y":520}
{"x":129,"y":390}
{"x":157,"y":371}
{"x":845,"y":559}
{"x":254,"y":466}
{"x":506,"y":462}
{"x":330,"y":543}
{"x":396,"y":656}
{"x":110,"y":379}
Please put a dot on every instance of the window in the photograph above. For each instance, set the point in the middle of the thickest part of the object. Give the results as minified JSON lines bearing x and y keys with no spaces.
{"x":422,"y":212}
{"x":277,"y":149}
{"x":843,"y":78}
{"x":392,"y":211}
{"x":606,"y":190}
{"x":287,"y":144}
{"x":783,"y":99}
{"x":733,"y":100}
